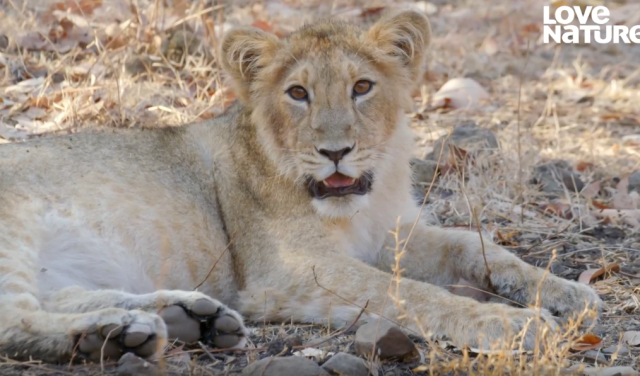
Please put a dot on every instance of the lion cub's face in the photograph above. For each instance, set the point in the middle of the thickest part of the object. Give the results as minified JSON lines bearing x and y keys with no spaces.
{"x":327,"y":99}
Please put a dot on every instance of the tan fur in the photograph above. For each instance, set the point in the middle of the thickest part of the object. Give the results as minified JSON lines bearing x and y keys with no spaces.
{"x":123,"y":213}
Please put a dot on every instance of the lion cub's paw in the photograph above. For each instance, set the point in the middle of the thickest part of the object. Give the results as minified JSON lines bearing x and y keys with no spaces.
{"x":571,"y":299}
{"x":116,"y":332}
{"x":497,"y":325}
{"x":196,"y":317}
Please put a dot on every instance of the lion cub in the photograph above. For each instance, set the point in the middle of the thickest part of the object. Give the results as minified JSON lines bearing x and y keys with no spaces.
{"x":136,"y":237}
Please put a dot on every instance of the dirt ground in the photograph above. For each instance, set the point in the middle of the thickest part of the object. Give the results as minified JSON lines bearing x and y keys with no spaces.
{"x":560,"y":191}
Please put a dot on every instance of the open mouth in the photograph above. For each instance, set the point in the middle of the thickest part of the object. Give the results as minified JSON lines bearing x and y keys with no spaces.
{"x":339,"y":185}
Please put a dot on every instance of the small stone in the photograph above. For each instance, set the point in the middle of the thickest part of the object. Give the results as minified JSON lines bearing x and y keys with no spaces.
{"x":634,"y":182}
{"x":423,"y":170}
{"x":4,"y":42}
{"x":131,"y":365}
{"x":467,"y":136}
{"x":554,"y":176}
{"x":346,"y":364}
{"x":622,"y":350}
{"x":284,"y":366}
{"x":137,"y":65}
{"x":389,"y":341}
{"x":596,"y":356}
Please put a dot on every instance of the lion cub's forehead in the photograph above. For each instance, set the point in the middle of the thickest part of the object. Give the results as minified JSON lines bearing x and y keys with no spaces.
{"x":328,"y":51}
{"x":326,"y":38}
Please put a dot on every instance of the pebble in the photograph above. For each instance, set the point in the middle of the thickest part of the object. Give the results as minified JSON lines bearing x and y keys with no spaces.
{"x":389,"y":341}
{"x":284,"y":366}
{"x":467,"y":136}
{"x":131,"y":365}
{"x":346,"y":364}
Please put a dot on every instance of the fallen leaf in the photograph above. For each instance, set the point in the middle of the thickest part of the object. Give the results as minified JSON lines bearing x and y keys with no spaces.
{"x":557,"y":208}
{"x":34,"y":113}
{"x":506,"y":238}
{"x":584,"y":166}
{"x":591,"y":275}
{"x":622,"y":199}
{"x":459,"y":93}
{"x":630,"y":217}
{"x":591,"y":190}
{"x":631,"y":338}
{"x":371,"y":11}
{"x":587,"y":342}
{"x":600,"y":205}
{"x":262,"y":25}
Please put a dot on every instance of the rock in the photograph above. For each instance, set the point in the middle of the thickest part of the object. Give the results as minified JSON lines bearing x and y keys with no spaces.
{"x":4,"y":42}
{"x":610,"y":371}
{"x":389,"y":341}
{"x":137,"y":65}
{"x":346,"y":364}
{"x":621,"y":350}
{"x":467,"y":136}
{"x":423,"y":170}
{"x":131,"y":365}
{"x":554,"y":176}
{"x":284,"y":366}
{"x":634,"y":182}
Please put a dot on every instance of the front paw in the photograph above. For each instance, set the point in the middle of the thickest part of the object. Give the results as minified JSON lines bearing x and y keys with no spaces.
{"x":571,"y":299}
{"x":559,"y":296}
{"x":494,"y":326}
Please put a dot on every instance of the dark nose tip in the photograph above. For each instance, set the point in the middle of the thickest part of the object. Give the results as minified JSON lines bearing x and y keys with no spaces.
{"x":335,"y":155}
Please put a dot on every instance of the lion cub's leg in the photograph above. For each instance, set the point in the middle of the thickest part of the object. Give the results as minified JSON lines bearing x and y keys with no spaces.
{"x":444,"y":256}
{"x":189,"y":316}
{"x":26,"y":330}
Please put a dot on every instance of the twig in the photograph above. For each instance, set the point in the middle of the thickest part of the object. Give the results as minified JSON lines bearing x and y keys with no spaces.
{"x":520,"y":183}
{"x":206,"y":351}
{"x":340,"y":332}
{"x":315,"y":277}
{"x":32,"y":365}
{"x":104,"y":344}
{"x":215,"y":263}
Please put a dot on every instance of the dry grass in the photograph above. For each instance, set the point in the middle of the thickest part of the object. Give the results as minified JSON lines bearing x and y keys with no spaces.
{"x":130,"y":63}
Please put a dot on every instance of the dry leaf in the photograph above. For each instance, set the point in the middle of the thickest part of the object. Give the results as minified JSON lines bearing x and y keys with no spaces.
{"x":371,"y":11}
{"x":262,"y":25}
{"x":587,"y":342}
{"x":459,"y":93}
{"x":630,"y":217}
{"x":506,"y":238}
{"x":591,"y":275}
{"x":584,"y":166}
{"x":623,"y":199}
{"x":600,"y":205}
{"x":591,"y":190}
{"x":631,"y":338}
{"x":557,"y":208}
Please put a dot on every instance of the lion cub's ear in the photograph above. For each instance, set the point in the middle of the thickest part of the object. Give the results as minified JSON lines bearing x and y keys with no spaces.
{"x":403,"y":35}
{"x":243,"y":52}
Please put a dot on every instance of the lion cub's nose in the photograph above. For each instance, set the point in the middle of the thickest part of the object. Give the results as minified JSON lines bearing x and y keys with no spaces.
{"x":335,"y":155}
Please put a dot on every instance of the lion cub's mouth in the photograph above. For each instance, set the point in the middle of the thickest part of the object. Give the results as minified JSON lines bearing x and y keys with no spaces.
{"x":339,"y":185}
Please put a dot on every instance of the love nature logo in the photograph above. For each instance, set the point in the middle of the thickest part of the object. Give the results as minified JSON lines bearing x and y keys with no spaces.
{"x":592,"y":25}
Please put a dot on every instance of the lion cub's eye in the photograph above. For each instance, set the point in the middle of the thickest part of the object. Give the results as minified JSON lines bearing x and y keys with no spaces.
{"x":362,"y":87}
{"x":298,"y":93}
